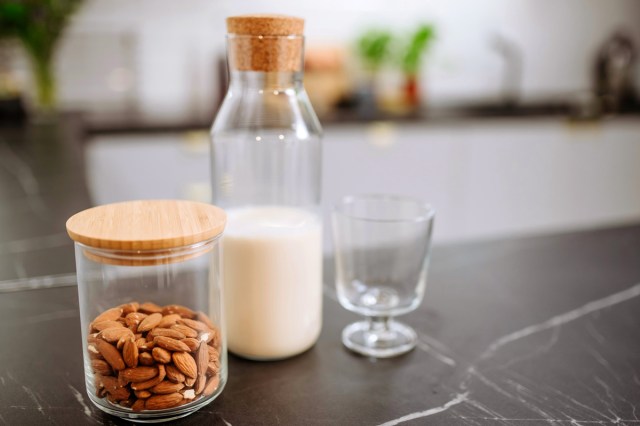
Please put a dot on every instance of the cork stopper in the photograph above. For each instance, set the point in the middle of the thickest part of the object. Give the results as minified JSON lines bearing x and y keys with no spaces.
{"x":265,"y":43}
{"x":265,"y":25}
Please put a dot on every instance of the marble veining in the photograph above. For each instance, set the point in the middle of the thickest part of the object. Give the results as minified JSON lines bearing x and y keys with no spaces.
{"x":78,"y":396}
{"x":12,"y":162}
{"x":51,"y":316}
{"x":35,"y":398}
{"x":521,"y":393}
{"x":36,"y":243}
{"x":433,"y":352}
{"x":458,"y":399}
{"x":34,"y":283}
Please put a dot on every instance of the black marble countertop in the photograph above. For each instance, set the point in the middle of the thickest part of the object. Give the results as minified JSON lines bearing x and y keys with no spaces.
{"x":531,"y":331}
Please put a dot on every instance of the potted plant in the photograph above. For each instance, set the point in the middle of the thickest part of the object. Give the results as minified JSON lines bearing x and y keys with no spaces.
{"x":411,"y":62}
{"x":38,"y":25}
{"x":393,"y":65}
{"x":374,"y":50}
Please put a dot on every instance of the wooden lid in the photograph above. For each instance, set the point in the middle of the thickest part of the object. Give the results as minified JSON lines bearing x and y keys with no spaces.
{"x":265,"y":25}
{"x":146,"y":225}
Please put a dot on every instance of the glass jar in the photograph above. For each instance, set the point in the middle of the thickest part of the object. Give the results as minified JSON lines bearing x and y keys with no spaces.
{"x":266,"y":172}
{"x":151,"y":308}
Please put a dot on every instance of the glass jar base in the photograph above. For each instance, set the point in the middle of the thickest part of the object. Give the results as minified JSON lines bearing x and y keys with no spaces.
{"x":396,"y":339}
{"x":154,"y":416}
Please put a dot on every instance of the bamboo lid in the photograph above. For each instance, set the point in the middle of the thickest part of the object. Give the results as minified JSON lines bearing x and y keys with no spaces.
{"x":146,"y":225}
{"x":268,"y":43}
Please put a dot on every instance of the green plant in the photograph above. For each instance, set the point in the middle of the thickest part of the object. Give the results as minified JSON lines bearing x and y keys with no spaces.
{"x":38,"y":24}
{"x":374,"y":48}
{"x":418,"y":43}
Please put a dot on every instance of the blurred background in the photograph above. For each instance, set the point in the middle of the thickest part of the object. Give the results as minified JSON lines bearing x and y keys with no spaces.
{"x":512,"y":117}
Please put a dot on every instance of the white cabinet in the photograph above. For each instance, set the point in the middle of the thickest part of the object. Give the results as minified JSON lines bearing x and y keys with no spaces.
{"x":486,"y":178}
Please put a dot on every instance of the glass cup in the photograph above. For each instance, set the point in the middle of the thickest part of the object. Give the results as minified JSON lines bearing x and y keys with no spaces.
{"x":382,"y":246}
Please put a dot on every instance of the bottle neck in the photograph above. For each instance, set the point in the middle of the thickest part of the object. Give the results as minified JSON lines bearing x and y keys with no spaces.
{"x":266,"y":80}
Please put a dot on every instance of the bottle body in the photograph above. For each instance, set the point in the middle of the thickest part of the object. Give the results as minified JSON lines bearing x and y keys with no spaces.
{"x":266,"y":174}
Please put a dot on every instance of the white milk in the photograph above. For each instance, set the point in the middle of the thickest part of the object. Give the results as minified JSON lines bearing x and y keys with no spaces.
{"x":272,"y":281}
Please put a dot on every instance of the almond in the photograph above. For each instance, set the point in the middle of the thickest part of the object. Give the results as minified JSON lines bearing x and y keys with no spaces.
{"x":130,"y":353}
{"x":124,"y":338}
{"x":189,"y":381}
{"x":202,"y":317}
{"x":149,"y":308}
{"x":160,"y":402}
{"x":170,"y":344}
{"x":99,"y":326}
{"x":114,"y":334}
{"x":101,"y":367}
{"x":206,"y":336}
{"x":163,"y":356}
{"x":185,"y":363}
{"x":166,"y":386}
{"x":214,"y":355}
{"x":216,"y":342}
{"x":109,"y":315}
{"x":140,"y":374}
{"x":109,"y":383}
{"x":142,"y":394}
{"x":212,"y":385}
{"x":192,"y":343}
{"x":146,"y":346}
{"x":138,"y":405}
{"x":133,"y":320}
{"x":200,"y":383}
{"x":93,"y":351}
{"x":166,"y":332}
{"x":202,"y":359}
{"x":110,"y":354}
{"x":174,"y":374}
{"x":187,"y":331}
{"x":99,"y":386}
{"x":120,"y":393}
{"x":145,"y":358}
{"x":183,"y":311}
{"x":128,"y":308}
{"x":196,"y":325}
{"x":149,"y":322}
{"x":168,"y":320}
{"x":152,"y":382}
{"x":122,"y":380}
{"x":212,"y":369}
{"x":126,"y":402}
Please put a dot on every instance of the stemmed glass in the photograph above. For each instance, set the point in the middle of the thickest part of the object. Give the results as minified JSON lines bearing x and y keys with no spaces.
{"x":382,"y":246}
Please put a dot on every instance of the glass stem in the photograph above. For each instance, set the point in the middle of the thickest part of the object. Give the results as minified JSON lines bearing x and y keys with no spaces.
{"x":379,"y":324}
{"x":379,"y":330}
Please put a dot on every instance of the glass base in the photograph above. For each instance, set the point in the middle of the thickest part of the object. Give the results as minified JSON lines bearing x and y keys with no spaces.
{"x":379,"y":338}
{"x":152,"y":416}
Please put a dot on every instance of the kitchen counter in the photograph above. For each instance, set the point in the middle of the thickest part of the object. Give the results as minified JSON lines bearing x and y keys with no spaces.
{"x":537,"y":330}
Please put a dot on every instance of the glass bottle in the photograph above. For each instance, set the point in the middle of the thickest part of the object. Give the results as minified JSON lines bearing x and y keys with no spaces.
{"x":266,"y":172}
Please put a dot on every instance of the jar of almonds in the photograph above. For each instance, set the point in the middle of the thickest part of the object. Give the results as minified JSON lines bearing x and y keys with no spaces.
{"x":150,"y":296}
